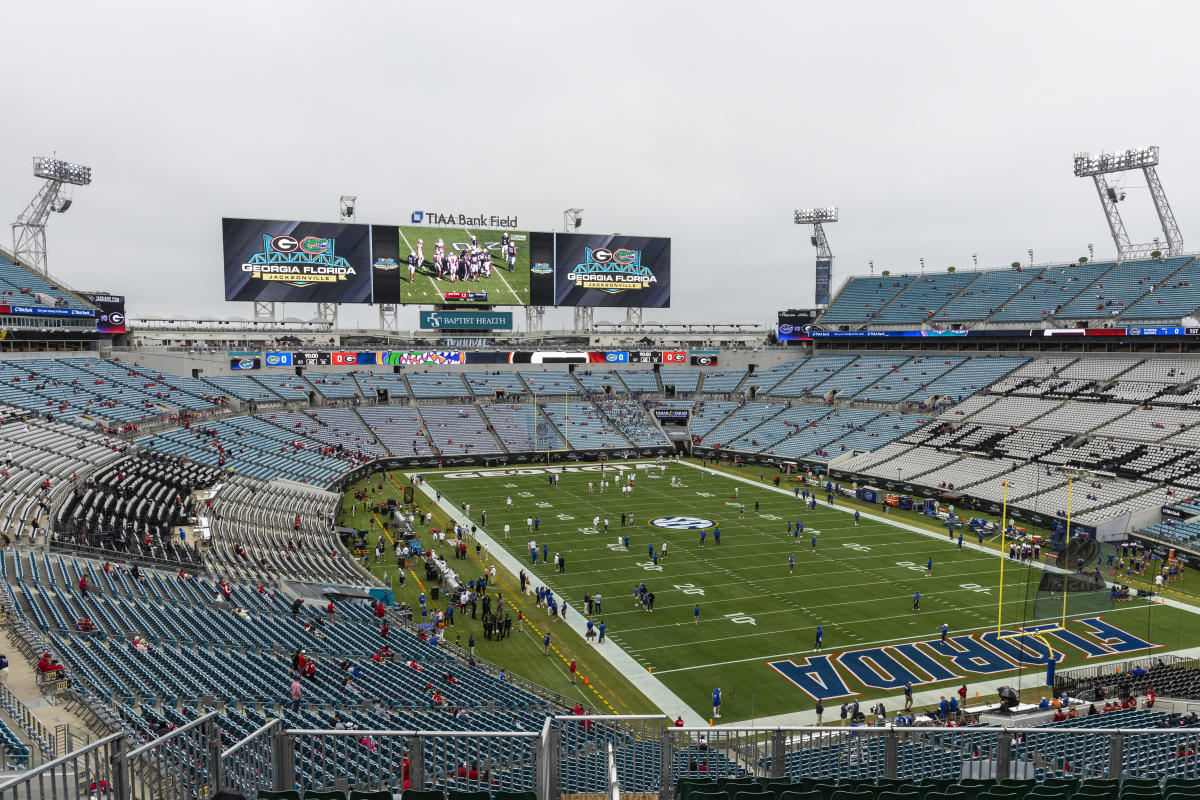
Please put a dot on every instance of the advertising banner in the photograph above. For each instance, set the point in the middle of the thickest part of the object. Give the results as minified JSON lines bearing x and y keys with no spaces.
{"x":46,"y":311}
{"x":824,"y":273}
{"x":608,"y":357}
{"x":112,"y":311}
{"x":467,"y":320}
{"x":704,"y":358}
{"x":580,"y":269}
{"x":296,"y":262}
{"x":244,"y":361}
{"x":278,"y":359}
{"x":672,"y":413}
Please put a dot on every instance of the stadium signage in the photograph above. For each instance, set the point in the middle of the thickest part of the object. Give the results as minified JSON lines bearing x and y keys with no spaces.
{"x":300,"y":262}
{"x":682,"y":523}
{"x":611,"y":271}
{"x":889,"y":668}
{"x":46,"y":311}
{"x":451,"y":219}
{"x":278,"y":359}
{"x":672,"y":413}
{"x":508,"y":473}
{"x":467,"y":320}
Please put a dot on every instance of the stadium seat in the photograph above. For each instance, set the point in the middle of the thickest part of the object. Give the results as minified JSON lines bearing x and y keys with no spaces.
{"x":455,"y":794}
{"x":793,"y":795}
{"x":423,"y":794}
{"x":381,"y":794}
{"x":329,"y":794}
{"x":512,"y":795}
{"x":278,"y":794}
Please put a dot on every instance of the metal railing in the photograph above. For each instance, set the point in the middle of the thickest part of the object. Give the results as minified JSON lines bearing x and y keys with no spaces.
{"x":20,"y":713}
{"x":94,"y":770}
{"x":181,"y":765}
{"x":251,"y":763}
{"x":369,"y":760}
{"x":874,"y":753}
{"x":614,"y":781}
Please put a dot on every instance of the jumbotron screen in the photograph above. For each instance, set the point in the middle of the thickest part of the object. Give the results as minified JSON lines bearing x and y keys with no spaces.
{"x":299,"y":262}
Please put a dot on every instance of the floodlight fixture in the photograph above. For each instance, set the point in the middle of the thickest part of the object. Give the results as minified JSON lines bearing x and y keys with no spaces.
{"x":1099,"y":166}
{"x":347,"y":207}
{"x":1087,"y":164}
{"x":572,"y":219}
{"x":812,"y":216}
{"x":55,"y":169}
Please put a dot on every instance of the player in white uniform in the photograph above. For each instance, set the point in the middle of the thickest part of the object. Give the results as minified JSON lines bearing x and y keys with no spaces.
{"x":512,"y":258}
{"x":420,"y":251}
{"x":439,"y":248}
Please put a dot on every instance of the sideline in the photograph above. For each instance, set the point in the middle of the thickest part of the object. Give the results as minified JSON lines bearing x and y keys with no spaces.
{"x":655,"y":690}
{"x":931,"y":696}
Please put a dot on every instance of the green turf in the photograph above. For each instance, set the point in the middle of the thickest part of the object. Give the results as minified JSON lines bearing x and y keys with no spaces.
{"x":858,"y":583}
{"x":504,"y":287}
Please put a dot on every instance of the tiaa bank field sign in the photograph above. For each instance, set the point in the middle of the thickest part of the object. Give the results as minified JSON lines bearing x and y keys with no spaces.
{"x":467,"y":320}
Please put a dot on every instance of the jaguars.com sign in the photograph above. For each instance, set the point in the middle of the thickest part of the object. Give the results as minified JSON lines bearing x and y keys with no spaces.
{"x":467,"y":320}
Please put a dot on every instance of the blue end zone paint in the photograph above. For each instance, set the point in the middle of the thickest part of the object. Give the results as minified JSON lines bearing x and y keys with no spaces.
{"x":1088,"y":648}
{"x":1023,"y":650}
{"x":876,"y":668}
{"x":968,"y":654}
{"x":816,"y":677}
{"x":1120,"y":641}
{"x":936,"y":671}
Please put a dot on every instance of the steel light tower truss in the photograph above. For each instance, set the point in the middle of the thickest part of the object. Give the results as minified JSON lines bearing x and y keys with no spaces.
{"x":29,"y":231}
{"x":1099,"y":166}
{"x":817,"y":217}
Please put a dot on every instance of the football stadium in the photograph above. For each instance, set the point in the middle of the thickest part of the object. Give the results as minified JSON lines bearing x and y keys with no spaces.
{"x":397,"y":517}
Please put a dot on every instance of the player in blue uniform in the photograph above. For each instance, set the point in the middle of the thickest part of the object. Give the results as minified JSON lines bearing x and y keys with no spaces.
{"x":791,"y":564}
{"x":856,"y":518}
{"x":945,"y":631}
{"x":929,"y":568}
{"x":820,"y":637}
{"x":917,"y":601}
{"x":717,"y":702}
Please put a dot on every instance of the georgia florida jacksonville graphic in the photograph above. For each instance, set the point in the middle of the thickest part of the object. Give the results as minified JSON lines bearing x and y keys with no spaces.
{"x":298,"y":261}
{"x":612,"y":271}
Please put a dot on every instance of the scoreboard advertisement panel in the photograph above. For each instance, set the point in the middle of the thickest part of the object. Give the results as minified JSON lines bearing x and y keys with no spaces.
{"x":322,"y":262}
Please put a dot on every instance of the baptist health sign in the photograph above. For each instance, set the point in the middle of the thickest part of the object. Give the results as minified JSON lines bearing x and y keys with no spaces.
{"x":467,"y":320}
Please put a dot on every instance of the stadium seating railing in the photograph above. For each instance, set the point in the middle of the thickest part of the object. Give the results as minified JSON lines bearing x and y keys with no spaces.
{"x":73,"y":774}
{"x":176,"y":766}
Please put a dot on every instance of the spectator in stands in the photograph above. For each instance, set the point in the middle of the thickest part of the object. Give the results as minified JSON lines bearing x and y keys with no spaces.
{"x":48,"y":663}
{"x":3,"y":670}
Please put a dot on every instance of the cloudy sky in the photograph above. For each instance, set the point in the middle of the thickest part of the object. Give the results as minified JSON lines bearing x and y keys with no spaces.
{"x":941,"y":130}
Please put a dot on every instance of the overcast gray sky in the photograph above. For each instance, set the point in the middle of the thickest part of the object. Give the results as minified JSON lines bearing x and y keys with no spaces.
{"x":939,"y":129}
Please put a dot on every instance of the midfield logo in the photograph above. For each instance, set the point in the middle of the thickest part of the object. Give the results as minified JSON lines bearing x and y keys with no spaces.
{"x":682,"y":523}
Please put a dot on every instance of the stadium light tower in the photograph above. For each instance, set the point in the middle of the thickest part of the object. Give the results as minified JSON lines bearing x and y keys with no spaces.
{"x":348,"y":208}
{"x":29,"y":231}
{"x":1099,"y":166}
{"x":817,"y":217}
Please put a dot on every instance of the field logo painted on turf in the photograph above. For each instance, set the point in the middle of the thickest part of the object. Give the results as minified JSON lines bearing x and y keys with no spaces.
{"x":682,"y":523}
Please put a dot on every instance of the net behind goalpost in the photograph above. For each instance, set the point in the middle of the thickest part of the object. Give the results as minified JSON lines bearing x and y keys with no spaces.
{"x":1076,"y":592}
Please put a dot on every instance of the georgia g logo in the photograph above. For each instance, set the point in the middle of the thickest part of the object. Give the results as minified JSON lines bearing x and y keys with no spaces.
{"x":682,"y":523}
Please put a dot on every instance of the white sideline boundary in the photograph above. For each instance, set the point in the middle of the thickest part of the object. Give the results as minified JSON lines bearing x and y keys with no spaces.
{"x":930,"y":696}
{"x":655,"y":690}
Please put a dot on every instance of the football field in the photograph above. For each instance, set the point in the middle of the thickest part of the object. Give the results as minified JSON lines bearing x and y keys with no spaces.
{"x":758,"y":615}
{"x":504,"y":287}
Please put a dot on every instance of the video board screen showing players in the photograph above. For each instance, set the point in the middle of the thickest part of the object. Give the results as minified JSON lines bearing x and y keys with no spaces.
{"x":427,"y":265}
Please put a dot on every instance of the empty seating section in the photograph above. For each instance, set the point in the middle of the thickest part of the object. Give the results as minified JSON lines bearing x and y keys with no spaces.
{"x":881,"y":430}
{"x":65,"y":389}
{"x":685,"y":381}
{"x":1170,"y":370}
{"x":1076,"y":417}
{"x":398,"y":427}
{"x":485,"y":384}
{"x":516,"y":428}
{"x":289,"y":387}
{"x":152,"y":388}
{"x":458,"y":429}
{"x":550,"y":382}
{"x":1056,"y":287}
{"x":817,"y":435}
{"x":748,"y":416}
{"x":24,"y":287}
{"x":336,"y":427}
{"x":986,"y":295}
{"x":969,"y":377}
{"x":967,"y":471}
{"x":1014,"y":411}
{"x":376,"y":385}
{"x":256,"y":537}
{"x":864,"y":461}
{"x":910,"y":464}
{"x":923,"y":297}
{"x":791,"y":420}
{"x":856,"y":377}
{"x":426,"y":385}
{"x":240,"y":387}
{"x":721,"y":382}
{"x":1120,"y":287}
{"x":1175,"y":298}
{"x":811,"y":374}
{"x":643,"y":381}
{"x":583,"y":426}
{"x":600,"y":381}
{"x":129,"y":509}
{"x":708,"y":414}
{"x":764,"y":380}
{"x":1150,"y":424}
{"x":254,"y":447}
{"x":631,"y":419}
{"x":909,"y":378}
{"x":333,"y":385}
{"x":862,"y":298}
